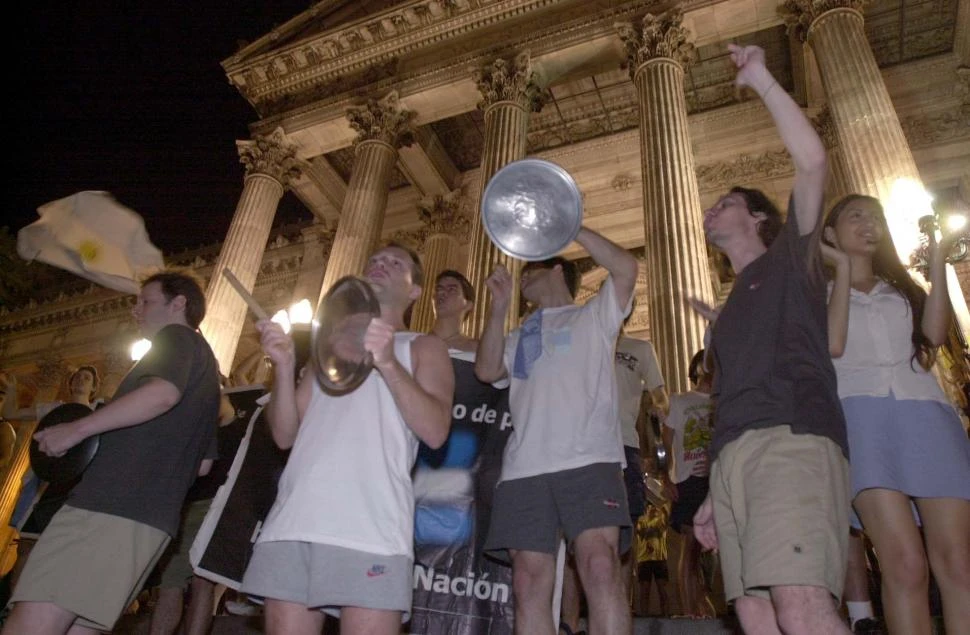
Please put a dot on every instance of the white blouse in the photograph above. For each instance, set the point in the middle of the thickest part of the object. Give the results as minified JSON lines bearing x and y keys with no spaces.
{"x":879,"y":349}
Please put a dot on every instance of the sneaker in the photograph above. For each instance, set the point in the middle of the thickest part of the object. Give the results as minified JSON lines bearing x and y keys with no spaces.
{"x":235,"y":607}
{"x":867,"y":626}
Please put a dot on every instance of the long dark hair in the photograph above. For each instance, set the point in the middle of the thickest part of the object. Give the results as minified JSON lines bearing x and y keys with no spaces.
{"x":886,"y":265}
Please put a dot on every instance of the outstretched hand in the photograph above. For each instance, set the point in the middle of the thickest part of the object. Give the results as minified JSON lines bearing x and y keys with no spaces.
{"x":500,"y":285}
{"x":703,"y":309}
{"x":834,"y":256}
{"x":752,"y":71}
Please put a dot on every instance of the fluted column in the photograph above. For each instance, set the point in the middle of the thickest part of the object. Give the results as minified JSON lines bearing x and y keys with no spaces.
{"x":271,"y":164}
{"x":838,"y":180}
{"x":382,"y":127}
{"x":873,"y":145}
{"x":447,"y":227}
{"x":676,"y":252}
{"x":510,"y":92}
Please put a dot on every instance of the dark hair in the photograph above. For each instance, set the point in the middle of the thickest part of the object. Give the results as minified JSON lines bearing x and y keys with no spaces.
{"x":467,"y":290}
{"x":696,"y":367}
{"x":182,"y":283}
{"x":757,"y":201}
{"x":94,"y":374}
{"x":570,"y":272}
{"x":417,"y":269}
{"x":886,"y":265}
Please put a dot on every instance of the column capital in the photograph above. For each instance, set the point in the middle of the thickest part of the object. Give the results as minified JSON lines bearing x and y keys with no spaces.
{"x":446,"y":214}
{"x":511,"y":80}
{"x":659,"y":36}
{"x":799,"y":15}
{"x":272,"y":155}
{"x":825,"y":127}
{"x":383,"y":119}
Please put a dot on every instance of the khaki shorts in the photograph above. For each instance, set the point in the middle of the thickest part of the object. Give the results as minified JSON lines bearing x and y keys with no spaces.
{"x":90,"y":564}
{"x":781,"y":504}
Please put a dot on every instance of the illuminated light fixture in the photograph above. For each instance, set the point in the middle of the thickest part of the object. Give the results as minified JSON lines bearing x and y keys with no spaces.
{"x":908,"y":203}
{"x":281,"y":318}
{"x":301,"y":312}
{"x":139,"y":348}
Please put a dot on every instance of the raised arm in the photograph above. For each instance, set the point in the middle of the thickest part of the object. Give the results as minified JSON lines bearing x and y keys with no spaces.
{"x":424,"y":397}
{"x":288,"y":403}
{"x":797,"y":133}
{"x":618,"y":261}
{"x":936,"y":312}
{"x":838,"y":309}
{"x":490,"y":357}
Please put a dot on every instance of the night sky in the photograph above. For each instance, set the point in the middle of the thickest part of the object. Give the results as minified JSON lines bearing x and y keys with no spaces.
{"x":130,"y":97}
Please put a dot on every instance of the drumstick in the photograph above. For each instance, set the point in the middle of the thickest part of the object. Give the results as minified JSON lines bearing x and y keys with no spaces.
{"x":245,"y":295}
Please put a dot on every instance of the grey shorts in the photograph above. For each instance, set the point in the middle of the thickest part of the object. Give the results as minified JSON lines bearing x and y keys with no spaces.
{"x":530,"y":513}
{"x":327,"y":578}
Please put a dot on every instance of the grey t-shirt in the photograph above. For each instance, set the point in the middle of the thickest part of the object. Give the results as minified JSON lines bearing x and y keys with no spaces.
{"x":143,"y":472}
{"x":770,"y":345}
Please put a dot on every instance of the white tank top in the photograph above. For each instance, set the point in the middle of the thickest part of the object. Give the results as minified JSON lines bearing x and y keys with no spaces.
{"x":347,"y":482}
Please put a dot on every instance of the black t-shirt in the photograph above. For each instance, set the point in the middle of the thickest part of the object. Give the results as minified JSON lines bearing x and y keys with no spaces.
{"x":770,"y":344}
{"x":228,"y":439}
{"x":143,"y":472}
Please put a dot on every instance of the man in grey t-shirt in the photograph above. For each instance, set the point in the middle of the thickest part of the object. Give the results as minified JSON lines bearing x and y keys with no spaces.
{"x":99,"y":548}
{"x":778,"y":507}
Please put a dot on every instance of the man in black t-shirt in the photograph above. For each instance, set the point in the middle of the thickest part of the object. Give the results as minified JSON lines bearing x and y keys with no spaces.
{"x":778,"y":506}
{"x":95,"y":554}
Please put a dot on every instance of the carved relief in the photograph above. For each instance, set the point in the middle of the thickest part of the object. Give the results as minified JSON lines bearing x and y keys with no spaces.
{"x":272,"y":155}
{"x":825,"y":127}
{"x":412,"y":239}
{"x":622,"y":182}
{"x":744,"y":169}
{"x":926,"y":131}
{"x":384,"y":120}
{"x":799,"y":14}
{"x":446,"y":214}
{"x":658,"y":36}
{"x":512,"y":80}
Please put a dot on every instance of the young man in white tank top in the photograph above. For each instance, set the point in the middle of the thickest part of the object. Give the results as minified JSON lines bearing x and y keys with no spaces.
{"x":339,"y":537}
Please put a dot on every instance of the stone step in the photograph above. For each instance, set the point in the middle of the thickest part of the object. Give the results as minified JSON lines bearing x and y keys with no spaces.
{"x":236,"y":625}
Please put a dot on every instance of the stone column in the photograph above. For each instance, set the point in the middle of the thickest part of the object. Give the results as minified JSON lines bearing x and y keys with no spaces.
{"x":271,"y":164}
{"x":382,"y":127}
{"x":510,"y":91}
{"x":448,"y":227}
{"x":873,"y":145}
{"x":676,"y":252}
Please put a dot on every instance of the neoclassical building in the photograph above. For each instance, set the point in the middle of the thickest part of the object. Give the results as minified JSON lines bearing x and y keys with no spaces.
{"x":386,"y":118}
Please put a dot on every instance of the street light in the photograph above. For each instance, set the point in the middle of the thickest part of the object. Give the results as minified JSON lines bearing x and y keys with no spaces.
{"x":299,"y":313}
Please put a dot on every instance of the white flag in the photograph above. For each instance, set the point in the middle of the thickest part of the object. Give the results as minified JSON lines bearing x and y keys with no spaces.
{"x":94,"y":236}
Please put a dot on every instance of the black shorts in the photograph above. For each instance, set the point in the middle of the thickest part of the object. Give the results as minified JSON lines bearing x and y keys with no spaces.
{"x":636,"y":490}
{"x":652,"y":569}
{"x":690,"y":494}
{"x":530,"y":513}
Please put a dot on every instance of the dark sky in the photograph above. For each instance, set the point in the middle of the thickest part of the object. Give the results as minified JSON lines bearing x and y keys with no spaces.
{"x":130,"y":97}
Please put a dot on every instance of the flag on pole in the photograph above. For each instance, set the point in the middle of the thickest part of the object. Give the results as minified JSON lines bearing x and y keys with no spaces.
{"x":94,"y":236}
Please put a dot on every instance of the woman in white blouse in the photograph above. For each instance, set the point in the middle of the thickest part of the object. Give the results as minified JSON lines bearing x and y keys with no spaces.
{"x":906,"y":442}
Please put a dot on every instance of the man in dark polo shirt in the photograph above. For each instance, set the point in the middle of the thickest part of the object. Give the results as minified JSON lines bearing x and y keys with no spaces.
{"x":94,"y":555}
{"x":778,"y":503}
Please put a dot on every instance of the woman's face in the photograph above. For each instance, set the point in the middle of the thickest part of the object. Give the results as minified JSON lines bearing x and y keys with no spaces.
{"x":859,"y":228}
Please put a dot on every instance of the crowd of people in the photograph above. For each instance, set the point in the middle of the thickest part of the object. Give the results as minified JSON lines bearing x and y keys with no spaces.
{"x":814,"y":420}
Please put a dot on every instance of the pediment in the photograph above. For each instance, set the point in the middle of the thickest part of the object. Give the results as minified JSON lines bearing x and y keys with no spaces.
{"x":320,"y":17}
